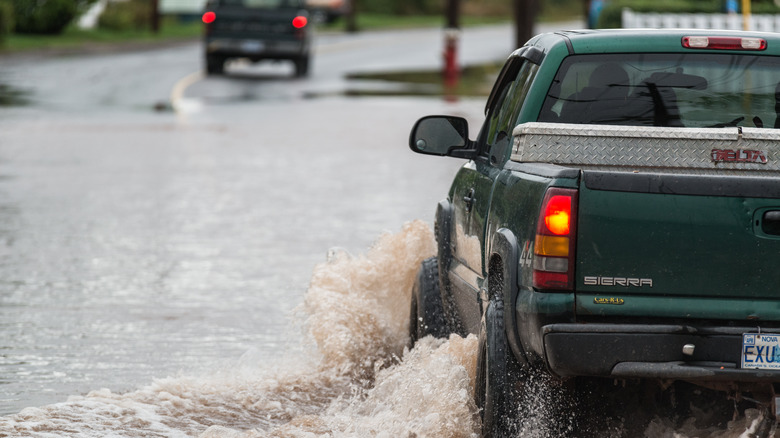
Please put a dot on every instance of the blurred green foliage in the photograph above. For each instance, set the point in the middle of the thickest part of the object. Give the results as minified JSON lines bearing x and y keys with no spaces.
{"x":554,"y":10}
{"x":6,"y":19}
{"x":45,"y":16}
{"x":610,"y":15}
{"x":126,"y":15}
{"x":473,"y":8}
{"x":400,"y":7}
{"x":73,"y":38}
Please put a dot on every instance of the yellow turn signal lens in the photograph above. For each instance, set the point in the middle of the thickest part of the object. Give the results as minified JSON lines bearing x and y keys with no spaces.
{"x":556,"y":246}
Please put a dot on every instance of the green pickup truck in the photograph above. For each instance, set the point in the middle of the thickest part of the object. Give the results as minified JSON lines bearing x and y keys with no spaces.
{"x":257,"y":30}
{"x":618,"y":217}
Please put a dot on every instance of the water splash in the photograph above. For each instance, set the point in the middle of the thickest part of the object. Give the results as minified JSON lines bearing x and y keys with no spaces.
{"x":361,"y":381}
{"x":358,"y":307}
{"x":357,"y":379}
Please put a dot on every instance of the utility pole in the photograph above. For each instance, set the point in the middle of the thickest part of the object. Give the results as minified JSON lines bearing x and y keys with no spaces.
{"x":155,"y":16}
{"x":451,"y":37}
{"x":350,"y":18}
{"x":525,"y":18}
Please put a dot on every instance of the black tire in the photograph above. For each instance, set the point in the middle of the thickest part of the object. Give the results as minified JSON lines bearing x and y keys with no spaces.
{"x":426,"y":315}
{"x":498,"y":375}
{"x":442,"y":232}
{"x":215,"y":65}
{"x":302,"y":66}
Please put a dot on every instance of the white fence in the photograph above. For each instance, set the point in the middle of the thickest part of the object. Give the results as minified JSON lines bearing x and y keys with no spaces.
{"x":89,"y":19}
{"x":761,"y":23}
{"x":182,"y":6}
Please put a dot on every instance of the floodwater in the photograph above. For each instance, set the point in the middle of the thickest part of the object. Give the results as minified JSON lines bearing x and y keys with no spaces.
{"x":356,"y":379}
{"x":137,"y":245}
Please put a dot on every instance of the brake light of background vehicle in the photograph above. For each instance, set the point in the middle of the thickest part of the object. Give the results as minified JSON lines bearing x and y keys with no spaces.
{"x":553,"y":266}
{"x":209,"y":17}
{"x":299,"y":22}
{"x":723,"y":43}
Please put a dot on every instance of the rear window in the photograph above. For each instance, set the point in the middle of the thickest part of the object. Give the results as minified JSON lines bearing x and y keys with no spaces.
{"x":658,"y":89}
{"x":262,"y":4}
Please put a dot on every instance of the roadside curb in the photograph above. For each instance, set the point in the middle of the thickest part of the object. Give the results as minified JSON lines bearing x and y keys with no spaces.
{"x":97,"y":48}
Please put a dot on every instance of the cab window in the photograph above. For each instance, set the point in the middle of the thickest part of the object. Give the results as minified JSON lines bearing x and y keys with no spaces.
{"x":503,"y":116}
{"x":697,"y":90}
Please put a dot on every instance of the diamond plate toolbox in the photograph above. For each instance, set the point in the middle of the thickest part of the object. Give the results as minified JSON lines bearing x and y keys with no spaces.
{"x":700,"y":150}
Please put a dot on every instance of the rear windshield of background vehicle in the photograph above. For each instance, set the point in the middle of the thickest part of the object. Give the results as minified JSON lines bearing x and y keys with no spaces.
{"x":666,"y":89}
{"x":263,"y":4}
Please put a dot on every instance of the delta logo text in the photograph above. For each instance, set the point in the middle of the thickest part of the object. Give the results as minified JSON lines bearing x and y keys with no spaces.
{"x":738,"y":156}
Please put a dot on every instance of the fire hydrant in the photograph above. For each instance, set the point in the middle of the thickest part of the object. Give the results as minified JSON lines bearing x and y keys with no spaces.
{"x":451,"y":70}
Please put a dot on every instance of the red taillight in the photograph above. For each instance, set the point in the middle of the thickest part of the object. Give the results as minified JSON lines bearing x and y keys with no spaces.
{"x":299,"y":22}
{"x":209,"y":17}
{"x":555,"y":240}
{"x":557,"y":215}
{"x":723,"y":43}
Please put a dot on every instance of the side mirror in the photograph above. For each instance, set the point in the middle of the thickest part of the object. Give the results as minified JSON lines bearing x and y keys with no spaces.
{"x":442,"y":135}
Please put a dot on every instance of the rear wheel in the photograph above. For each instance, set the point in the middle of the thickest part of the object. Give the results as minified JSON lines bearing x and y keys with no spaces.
{"x":302,"y":66}
{"x":498,"y":375}
{"x":426,"y":315}
{"x":215,"y":65}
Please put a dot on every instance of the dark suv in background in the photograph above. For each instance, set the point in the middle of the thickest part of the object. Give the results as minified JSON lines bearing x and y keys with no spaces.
{"x":257,"y":30}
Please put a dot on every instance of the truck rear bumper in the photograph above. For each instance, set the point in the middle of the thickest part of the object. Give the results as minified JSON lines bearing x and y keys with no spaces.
{"x":256,"y":49}
{"x":650,"y":351}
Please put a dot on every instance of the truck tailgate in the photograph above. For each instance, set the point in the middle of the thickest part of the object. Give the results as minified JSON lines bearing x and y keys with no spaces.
{"x":670,"y":236}
{"x":245,"y":22}
{"x":674,"y":222}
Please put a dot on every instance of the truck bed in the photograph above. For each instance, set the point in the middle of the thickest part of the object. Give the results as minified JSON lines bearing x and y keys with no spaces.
{"x":713,"y":151}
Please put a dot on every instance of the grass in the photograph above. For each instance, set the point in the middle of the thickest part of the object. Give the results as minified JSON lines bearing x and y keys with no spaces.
{"x":564,"y":10}
{"x":74,"y":38}
{"x":10,"y":96}
{"x":369,"y":21}
{"x":474,"y":80}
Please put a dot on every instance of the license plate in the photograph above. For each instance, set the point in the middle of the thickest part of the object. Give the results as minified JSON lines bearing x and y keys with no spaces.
{"x":761,"y":351}
{"x":252,"y":46}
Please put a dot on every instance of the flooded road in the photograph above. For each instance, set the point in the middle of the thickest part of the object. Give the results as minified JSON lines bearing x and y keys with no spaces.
{"x":135,"y":250}
{"x":239,"y":266}
{"x":140,"y":244}
{"x":354,"y":306}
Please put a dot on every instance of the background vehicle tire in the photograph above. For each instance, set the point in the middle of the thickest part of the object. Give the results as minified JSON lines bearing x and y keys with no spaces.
{"x":426,"y":315}
{"x":302,"y":66}
{"x":215,"y":65}
{"x":498,"y":375}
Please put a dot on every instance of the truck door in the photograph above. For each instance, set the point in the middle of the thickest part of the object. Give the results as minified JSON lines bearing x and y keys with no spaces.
{"x":473,"y":186}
